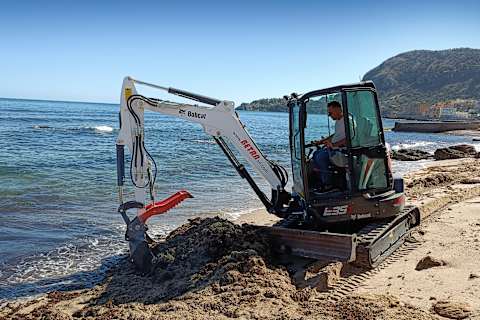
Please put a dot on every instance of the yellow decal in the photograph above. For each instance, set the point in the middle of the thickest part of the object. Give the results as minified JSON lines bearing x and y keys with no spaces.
{"x":128,"y":93}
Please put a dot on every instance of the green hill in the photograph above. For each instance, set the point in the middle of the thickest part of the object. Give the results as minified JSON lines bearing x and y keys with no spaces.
{"x":424,"y":76}
{"x":413,"y":78}
{"x":278,"y":105}
{"x":271,"y":105}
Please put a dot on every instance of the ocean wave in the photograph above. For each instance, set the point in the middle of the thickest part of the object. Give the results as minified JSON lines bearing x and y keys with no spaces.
{"x":97,"y":129}
{"x":401,"y":168}
{"x":71,"y":266}
{"x":77,"y":264}
{"x":237,"y":214}
{"x":413,"y":145}
{"x":103,"y":129}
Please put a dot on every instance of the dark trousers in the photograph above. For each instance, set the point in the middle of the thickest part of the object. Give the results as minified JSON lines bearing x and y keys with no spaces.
{"x":321,"y":160}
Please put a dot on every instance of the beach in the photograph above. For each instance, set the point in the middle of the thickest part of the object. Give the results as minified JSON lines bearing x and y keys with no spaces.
{"x":244,"y":281}
{"x":59,"y":198}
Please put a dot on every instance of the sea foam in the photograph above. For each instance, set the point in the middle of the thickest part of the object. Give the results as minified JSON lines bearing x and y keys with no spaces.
{"x":103,"y":129}
{"x":414,"y":145}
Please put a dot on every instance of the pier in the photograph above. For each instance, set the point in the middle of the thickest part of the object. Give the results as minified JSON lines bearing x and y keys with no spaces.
{"x":435,"y":126}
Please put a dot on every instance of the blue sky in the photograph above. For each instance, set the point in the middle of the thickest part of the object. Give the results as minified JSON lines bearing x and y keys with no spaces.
{"x":240,"y":51}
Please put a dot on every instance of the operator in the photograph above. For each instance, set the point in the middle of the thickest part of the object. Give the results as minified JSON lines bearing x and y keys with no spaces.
{"x":333,"y":146}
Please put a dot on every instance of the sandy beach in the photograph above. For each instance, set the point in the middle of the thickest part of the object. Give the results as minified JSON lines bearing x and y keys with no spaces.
{"x":216,"y":269}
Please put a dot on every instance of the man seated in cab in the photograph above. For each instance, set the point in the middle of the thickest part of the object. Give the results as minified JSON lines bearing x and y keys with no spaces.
{"x":332,"y":152}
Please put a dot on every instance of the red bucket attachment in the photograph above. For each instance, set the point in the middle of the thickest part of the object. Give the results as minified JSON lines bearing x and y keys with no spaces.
{"x":163,"y":206}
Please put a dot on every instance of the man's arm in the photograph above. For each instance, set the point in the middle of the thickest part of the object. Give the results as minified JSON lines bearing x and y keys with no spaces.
{"x":323,"y":141}
{"x":340,"y":143}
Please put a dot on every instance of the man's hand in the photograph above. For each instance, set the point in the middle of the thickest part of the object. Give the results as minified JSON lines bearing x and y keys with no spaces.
{"x":321,"y":141}
{"x":327,"y":142}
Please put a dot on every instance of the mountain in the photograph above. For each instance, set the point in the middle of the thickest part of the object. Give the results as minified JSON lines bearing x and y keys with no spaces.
{"x":426,"y":77}
{"x":411,"y":79}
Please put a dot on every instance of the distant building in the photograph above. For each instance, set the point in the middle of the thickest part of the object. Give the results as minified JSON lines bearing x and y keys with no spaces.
{"x":462,"y":115}
{"x":423,"y":109}
{"x":447,"y":113}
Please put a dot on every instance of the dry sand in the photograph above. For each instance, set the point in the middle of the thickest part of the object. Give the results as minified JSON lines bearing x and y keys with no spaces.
{"x":451,"y":236}
{"x":216,"y":269}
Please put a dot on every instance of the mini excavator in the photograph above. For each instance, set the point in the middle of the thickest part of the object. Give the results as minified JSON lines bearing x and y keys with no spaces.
{"x":361,"y":220}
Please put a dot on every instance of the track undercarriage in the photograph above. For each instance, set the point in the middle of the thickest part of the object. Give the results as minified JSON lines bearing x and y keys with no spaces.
{"x":365,"y":245}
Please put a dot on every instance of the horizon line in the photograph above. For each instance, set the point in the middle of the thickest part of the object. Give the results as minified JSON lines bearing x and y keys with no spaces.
{"x":49,"y":100}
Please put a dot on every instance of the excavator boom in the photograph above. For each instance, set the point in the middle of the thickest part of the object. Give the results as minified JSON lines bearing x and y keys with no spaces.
{"x":219,"y":120}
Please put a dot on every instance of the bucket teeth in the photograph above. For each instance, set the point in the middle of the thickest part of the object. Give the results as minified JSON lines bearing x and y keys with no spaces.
{"x":163,"y":206}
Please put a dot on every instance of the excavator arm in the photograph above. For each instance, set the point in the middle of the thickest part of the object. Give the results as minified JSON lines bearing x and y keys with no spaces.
{"x":218,"y":119}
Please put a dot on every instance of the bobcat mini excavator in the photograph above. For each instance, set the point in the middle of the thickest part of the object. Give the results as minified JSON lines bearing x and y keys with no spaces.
{"x":362,"y":220}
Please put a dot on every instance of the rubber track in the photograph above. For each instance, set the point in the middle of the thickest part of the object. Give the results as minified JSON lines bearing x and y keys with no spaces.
{"x":373,"y":232}
{"x":367,"y":234}
{"x":349,"y":284}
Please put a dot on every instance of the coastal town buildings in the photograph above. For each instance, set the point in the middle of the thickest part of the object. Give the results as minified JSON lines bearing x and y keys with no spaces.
{"x":459,"y":109}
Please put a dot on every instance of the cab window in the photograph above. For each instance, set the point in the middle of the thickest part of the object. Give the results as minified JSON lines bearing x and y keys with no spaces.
{"x":369,"y":170}
{"x":365,"y":127}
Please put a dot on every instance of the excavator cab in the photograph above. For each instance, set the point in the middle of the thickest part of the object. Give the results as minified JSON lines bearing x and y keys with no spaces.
{"x":360,"y":171}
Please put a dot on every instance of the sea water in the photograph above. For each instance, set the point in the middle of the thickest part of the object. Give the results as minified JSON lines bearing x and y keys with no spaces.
{"x":59,"y":226}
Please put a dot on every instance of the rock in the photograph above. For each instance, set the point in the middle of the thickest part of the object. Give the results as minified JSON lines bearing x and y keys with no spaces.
{"x":330,"y":276}
{"x":321,"y":277}
{"x":465,"y":148}
{"x":473,"y":276}
{"x":455,"y":152}
{"x":429,"y":262}
{"x":470,"y":181}
{"x":410,"y":155}
{"x":452,"y":310}
{"x":447,"y":153}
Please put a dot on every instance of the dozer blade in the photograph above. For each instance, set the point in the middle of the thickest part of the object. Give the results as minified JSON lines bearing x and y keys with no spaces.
{"x":141,"y":254}
{"x":313,"y":244}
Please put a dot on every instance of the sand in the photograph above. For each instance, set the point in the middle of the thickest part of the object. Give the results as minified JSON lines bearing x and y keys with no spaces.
{"x":210,"y":269}
{"x":216,"y":269}
{"x":451,"y":236}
